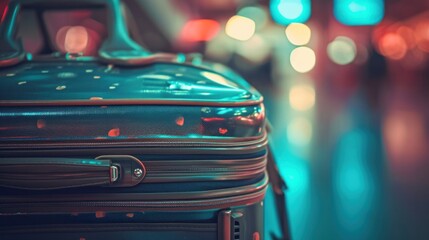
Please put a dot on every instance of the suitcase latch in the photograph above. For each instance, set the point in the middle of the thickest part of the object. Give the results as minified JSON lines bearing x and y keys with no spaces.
{"x":125,"y":170}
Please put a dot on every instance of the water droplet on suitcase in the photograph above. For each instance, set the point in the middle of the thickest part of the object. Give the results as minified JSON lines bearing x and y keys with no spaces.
{"x":116,"y":84}
{"x":179,"y":74}
{"x":109,"y":68}
{"x":201,"y":82}
{"x":206,"y":110}
{"x":154,"y":76}
{"x":179,"y":86}
{"x":66,"y":75}
{"x":180,"y":121}
{"x":100,"y":214}
{"x":114,"y":132}
{"x":112,"y":87}
{"x":22,"y":83}
{"x":130,"y":215}
{"x":10,"y":74}
{"x":89,"y":70}
{"x":96,"y":77}
{"x":62,"y":87}
{"x":45,"y":71}
{"x":41,"y":123}
{"x":95,"y":98}
{"x":223,"y":131}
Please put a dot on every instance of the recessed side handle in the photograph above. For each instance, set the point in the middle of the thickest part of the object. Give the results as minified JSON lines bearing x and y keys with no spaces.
{"x":60,"y":173}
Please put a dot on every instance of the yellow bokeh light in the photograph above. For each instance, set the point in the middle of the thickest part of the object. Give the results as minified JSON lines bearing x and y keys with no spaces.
{"x":302,"y":97}
{"x":299,"y":131}
{"x":240,"y":28}
{"x":298,"y":33}
{"x":303,"y":59}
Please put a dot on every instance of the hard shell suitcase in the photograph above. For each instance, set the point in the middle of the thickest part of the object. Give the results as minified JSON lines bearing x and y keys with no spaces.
{"x":129,"y":145}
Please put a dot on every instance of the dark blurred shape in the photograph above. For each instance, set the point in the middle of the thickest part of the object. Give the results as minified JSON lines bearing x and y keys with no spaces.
{"x":376,"y":67}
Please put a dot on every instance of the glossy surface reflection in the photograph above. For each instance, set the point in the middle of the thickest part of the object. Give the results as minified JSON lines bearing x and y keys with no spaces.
{"x":60,"y":80}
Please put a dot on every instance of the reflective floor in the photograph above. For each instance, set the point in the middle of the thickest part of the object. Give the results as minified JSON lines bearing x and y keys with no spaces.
{"x":356,"y":164}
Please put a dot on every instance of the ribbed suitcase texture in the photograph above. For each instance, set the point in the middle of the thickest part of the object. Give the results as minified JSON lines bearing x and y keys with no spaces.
{"x":166,"y":147}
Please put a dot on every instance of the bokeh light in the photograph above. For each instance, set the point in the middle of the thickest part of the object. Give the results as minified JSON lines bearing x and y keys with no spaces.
{"x":359,"y":12}
{"x":342,"y":50}
{"x":200,"y":30}
{"x":76,"y":39}
{"x":220,"y":48}
{"x":354,"y":183}
{"x":393,"y":46}
{"x":303,"y":59}
{"x":256,"y":13}
{"x":60,"y":38}
{"x":408,"y":35}
{"x":298,"y":33}
{"x":422,"y":35}
{"x":240,"y":28}
{"x":256,"y":49}
{"x":302,"y":97}
{"x":402,"y":141}
{"x":289,"y":11}
{"x":299,"y":131}
{"x":362,"y":54}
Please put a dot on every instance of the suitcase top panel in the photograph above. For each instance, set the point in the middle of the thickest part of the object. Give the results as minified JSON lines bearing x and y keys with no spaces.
{"x":63,"y":82}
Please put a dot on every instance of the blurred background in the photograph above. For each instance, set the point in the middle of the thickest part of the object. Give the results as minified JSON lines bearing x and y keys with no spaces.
{"x":346,"y":87}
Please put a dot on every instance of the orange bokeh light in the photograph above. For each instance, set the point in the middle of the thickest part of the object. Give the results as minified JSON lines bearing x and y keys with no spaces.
{"x":76,"y":39}
{"x":422,"y":35}
{"x":408,"y":35}
{"x":199,"y":30}
{"x":393,"y":46}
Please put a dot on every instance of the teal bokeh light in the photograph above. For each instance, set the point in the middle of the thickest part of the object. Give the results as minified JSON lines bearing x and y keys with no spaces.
{"x":359,"y":12}
{"x":285,"y":12}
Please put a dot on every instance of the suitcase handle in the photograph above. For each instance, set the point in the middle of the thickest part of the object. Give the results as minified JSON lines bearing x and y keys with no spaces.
{"x":118,"y":48}
{"x":60,"y":173}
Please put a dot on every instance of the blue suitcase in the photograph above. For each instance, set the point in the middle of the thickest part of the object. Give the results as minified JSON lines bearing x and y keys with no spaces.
{"x":128,"y":145}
